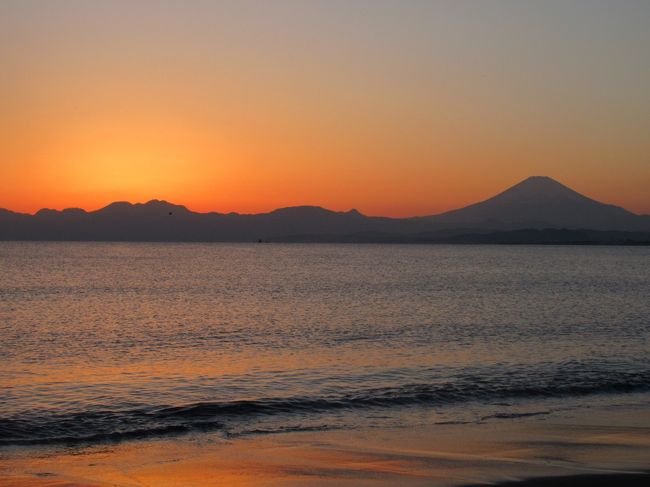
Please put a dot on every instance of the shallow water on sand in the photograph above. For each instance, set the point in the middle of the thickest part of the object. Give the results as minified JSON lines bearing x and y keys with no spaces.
{"x":112,"y":341}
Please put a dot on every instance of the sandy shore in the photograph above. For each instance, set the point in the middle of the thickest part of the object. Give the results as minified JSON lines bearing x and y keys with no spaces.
{"x":596,"y":449}
{"x":594,"y":480}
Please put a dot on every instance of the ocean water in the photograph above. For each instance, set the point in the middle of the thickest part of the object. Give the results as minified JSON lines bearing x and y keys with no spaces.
{"x":118,"y":341}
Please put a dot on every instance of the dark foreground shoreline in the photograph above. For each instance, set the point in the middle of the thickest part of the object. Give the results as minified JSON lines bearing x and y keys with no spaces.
{"x":580,"y":480}
{"x":598,"y":447}
{"x":583,"y":480}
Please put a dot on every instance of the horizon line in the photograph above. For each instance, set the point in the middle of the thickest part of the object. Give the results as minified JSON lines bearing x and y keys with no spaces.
{"x":305,"y":205}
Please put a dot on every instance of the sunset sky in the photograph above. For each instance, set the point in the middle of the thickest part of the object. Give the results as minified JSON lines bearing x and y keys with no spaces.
{"x":391,"y":107}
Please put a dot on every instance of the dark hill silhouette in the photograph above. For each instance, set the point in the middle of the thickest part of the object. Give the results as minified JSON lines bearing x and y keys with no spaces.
{"x":542,"y":202}
{"x":535,"y":203}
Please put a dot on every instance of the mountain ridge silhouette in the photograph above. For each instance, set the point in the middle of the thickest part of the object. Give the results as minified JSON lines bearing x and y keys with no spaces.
{"x":538,"y":202}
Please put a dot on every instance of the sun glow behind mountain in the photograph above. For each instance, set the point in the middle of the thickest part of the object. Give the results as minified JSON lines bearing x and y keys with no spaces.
{"x":395,"y":108}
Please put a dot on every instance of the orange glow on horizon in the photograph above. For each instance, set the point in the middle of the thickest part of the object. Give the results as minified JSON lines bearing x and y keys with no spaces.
{"x":219,"y":169}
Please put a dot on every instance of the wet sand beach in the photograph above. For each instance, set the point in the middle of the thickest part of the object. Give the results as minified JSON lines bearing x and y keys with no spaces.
{"x":599,"y":448}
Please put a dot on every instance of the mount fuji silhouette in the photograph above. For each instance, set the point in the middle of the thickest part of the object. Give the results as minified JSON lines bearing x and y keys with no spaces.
{"x":548,"y":211}
{"x":542,"y":202}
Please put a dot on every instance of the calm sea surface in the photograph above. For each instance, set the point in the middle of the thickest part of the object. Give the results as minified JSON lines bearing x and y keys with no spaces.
{"x":111,"y":341}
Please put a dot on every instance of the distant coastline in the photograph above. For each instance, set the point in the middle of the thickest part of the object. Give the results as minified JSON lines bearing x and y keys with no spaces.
{"x":524,"y":236}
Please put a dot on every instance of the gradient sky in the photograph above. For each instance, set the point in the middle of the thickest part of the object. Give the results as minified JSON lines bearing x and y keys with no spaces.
{"x":391,"y":107}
